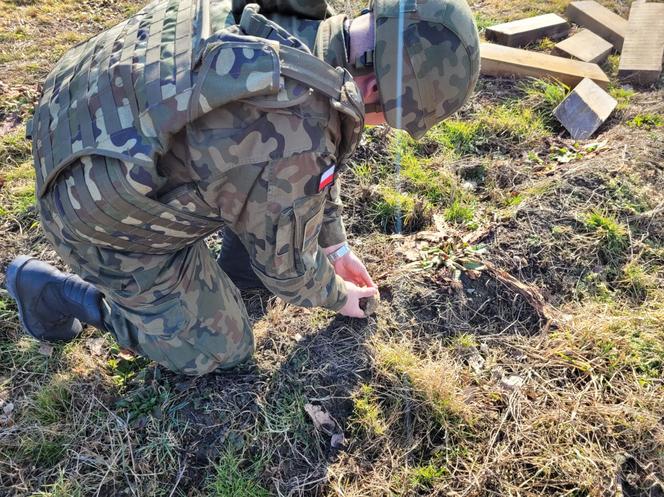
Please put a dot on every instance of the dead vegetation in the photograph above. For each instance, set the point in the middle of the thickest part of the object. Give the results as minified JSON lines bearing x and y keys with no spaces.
{"x":463,"y":384}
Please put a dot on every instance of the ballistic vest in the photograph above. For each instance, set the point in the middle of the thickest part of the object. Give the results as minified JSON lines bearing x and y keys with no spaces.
{"x":126,"y":92}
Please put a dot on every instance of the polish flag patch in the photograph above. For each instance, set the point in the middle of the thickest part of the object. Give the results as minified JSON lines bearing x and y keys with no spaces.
{"x":327,"y":178}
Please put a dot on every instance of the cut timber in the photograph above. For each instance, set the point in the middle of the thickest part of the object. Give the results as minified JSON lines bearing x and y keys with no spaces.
{"x":599,"y":20}
{"x":524,"y":31}
{"x":641,"y":60}
{"x":585,"y":109}
{"x":586,"y":46}
{"x":505,"y":61}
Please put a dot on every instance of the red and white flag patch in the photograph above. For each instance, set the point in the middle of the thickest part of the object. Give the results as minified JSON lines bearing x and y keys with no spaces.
{"x":327,"y":178}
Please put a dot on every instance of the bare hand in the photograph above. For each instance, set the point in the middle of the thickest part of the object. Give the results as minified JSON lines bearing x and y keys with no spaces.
{"x":352,"y":270}
{"x":352,"y":308}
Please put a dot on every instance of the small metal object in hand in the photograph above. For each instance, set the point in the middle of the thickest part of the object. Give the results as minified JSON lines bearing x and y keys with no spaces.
{"x":339,"y":253}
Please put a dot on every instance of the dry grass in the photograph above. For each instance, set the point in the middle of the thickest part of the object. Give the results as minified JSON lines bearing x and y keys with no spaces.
{"x":457,"y":387}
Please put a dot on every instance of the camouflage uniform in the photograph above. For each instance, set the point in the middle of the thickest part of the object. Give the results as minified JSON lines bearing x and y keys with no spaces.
{"x":177,"y":122}
{"x":128,"y":210}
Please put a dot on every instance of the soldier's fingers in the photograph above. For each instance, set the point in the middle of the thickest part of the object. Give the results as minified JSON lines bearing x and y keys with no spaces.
{"x":366,"y":278}
{"x":363,"y":293}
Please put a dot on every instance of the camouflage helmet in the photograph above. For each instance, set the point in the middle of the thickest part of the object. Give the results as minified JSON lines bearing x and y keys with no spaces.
{"x":439,"y":60}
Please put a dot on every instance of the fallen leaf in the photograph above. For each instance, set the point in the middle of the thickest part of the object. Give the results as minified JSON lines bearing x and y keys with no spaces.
{"x":320,"y":418}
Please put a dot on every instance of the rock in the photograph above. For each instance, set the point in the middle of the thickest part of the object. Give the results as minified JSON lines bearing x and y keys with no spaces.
{"x":320,"y":418}
{"x":512,"y":382}
{"x":369,"y":305}
{"x":45,"y":349}
{"x":338,"y":441}
{"x":96,"y":345}
{"x":585,"y":109}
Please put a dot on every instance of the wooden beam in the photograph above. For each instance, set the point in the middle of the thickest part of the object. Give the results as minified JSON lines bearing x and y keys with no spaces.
{"x":599,"y":20}
{"x":525,"y":31}
{"x":586,"y":46}
{"x":643,"y":50}
{"x":585,"y":109}
{"x":498,"y":60}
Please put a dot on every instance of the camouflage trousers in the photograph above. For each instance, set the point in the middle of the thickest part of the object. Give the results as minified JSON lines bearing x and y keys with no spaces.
{"x":178,"y":308}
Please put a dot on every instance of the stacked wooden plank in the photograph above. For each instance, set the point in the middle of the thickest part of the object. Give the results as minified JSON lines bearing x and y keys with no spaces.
{"x":586,"y":46}
{"x":643,"y":49}
{"x":498,"y":60}
{"x":525,"y":31}
{"x":574,"y":60}
{"x":599,"y":20}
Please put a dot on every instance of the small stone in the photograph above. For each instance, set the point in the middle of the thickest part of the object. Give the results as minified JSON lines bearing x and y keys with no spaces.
{"x":298,"y":337}
{"x":45,"y":349}
{"x":8,"y":408}
{"x":476,"y":362}
{"x":320,"y":418}
{"x":512,"y":382}
{"x":338,"y":441}
{"x":96,"y":346}
{"x":369,"y":306}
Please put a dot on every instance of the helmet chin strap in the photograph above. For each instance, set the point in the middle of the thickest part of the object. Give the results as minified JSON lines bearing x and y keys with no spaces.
{"x":373,"y":108}
{"x":364,"y":64}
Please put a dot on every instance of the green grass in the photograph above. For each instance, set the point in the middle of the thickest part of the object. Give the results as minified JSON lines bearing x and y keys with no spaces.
{"x":545,"y":96}
{"x":14,"y":149}
{"x":638,"y":280}
{"x":53,"y":401}
{"x":43,"y":447}
{"x":367,"y":413}
{"x":62,"y":487}
{"x":623,"y":96}
{"x":646,"y":121}
{"x":22,"y":354}
{"x":611,"y":234}
{"x":460,"y":212}
{"x":425,"y":477}
{"x":394,"y":208}
{"x":436,"y":185}
{"x":491,"y":128}
{"x":235,"y":476}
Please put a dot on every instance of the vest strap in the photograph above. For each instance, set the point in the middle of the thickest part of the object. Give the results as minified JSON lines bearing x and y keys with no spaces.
{"x":296,"y":62}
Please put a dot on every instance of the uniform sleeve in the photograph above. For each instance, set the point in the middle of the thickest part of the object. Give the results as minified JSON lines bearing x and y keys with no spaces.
{"x":333,"y":230}
{"x":280,"y":226}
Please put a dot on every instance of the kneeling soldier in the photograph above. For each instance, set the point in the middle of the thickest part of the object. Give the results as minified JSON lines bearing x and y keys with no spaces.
{"x":196,"y":115}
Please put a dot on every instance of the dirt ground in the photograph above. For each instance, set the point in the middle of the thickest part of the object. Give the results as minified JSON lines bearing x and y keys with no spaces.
{"x":518,"y":349}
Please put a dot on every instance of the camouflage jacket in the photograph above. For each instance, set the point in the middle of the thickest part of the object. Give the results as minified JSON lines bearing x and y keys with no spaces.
{"x":220,"y":130}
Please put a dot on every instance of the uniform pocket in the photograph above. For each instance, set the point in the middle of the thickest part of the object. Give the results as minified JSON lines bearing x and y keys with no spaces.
{"x":285,"y":244}
{"x":308,"y":213}
{"x":164,"y":317}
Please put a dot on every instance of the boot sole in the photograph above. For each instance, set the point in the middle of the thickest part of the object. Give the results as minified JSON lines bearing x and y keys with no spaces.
{"x":13,"y":273}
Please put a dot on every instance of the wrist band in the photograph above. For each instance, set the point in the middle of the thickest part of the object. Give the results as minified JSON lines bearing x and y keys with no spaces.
{"x":339,"y":253}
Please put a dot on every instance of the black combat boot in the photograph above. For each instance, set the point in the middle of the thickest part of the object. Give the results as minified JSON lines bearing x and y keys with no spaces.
{"x":236,"y":263}
{"x":52,"y":304}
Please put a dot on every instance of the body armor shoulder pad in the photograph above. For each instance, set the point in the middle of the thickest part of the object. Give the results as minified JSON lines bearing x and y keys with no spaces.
{"x":127,"y":92}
